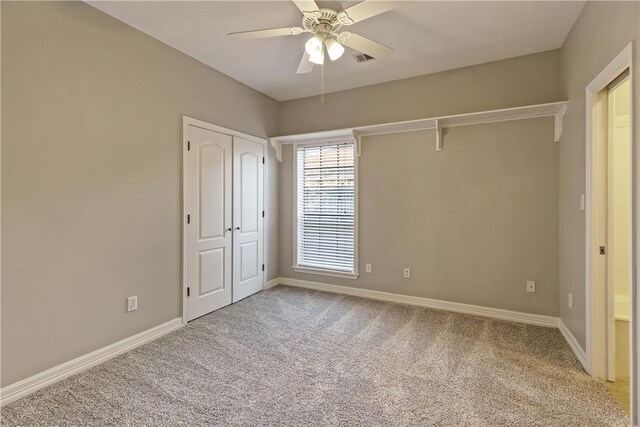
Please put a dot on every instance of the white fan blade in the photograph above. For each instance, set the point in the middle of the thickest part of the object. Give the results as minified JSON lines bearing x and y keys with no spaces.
{"x":271,"y":32}
{"x":306,"y":5}
{"x":366,"y":9}
{"x":364,"y":45}
{"x":305,"y":65}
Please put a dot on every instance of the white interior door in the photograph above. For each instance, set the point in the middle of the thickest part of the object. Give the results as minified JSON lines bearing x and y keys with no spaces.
{"x":247,"y":218}
{"x":209,"y":206}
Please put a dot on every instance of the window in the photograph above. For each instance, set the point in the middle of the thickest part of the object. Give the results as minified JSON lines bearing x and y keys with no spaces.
{"x":326,"y":213}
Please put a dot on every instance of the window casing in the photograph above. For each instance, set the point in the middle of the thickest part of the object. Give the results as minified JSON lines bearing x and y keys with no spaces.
{"x":326,"y":214}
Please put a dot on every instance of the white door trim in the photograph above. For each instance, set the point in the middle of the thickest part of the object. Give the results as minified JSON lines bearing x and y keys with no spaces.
{"x":190,"y":121}
{"x":595,"y":286}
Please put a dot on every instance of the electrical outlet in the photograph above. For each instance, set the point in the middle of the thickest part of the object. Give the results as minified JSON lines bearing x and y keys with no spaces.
{"x":132,"y":303}
{"x":531,"y":286}
{"x":367,"y":268}
{"x":570,"y":300}
{"x":407,"y":273}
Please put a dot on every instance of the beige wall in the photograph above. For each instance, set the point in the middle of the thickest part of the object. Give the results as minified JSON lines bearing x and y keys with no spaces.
{"x":602,"y":30}
{"x":91,"y":177}
{"x":525,"y":80}
{"x":473,"y":222}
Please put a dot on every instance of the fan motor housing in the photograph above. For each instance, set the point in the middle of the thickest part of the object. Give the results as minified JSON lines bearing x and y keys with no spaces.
{"x":323,"y":21}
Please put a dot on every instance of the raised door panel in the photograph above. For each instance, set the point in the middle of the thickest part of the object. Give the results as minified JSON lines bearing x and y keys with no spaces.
{"x":249,"y":261}
{"x":210,"y":271}
{"x":249,"y":192}
{"x":211,"y":190}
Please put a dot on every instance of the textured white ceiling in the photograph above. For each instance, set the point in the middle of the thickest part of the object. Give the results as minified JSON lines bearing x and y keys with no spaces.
{"x":428,"y":37}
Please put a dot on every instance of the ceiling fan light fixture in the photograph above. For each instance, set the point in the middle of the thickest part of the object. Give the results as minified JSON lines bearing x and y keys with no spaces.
{"x":334,"y":49}
{"x":313,"y":46}
{"x":317,"y":57}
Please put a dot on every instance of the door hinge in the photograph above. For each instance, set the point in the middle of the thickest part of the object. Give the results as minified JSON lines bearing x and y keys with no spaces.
{"x":262,"y":214}
{"x":263,"y":160}
{"x":188,"y":219}
{"x":188,"y":145}
{"x":188,"y":291}
{"x":603,"y":250}
{"x":262,"y":267}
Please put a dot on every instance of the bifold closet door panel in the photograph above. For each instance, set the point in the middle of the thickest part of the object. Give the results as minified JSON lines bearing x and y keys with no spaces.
{"x":209,"y":204}
{"x":248,"y":206}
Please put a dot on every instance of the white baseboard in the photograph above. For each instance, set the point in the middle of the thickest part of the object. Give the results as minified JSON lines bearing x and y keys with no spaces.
{"x":29,"y":385}
{"x":272,"y":283}
{"x":476,"y":310}
{"x":573,"y":343}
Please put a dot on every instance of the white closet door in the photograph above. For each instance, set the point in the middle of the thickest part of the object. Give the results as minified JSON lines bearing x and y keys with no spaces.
{"x":209,"y":204}
{"x":247,"y":218}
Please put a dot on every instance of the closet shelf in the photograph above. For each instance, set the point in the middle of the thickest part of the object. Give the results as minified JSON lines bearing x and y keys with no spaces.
{"x":553,"y":109}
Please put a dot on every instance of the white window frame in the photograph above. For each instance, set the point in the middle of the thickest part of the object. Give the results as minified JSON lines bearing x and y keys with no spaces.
{"x":321,"y":271}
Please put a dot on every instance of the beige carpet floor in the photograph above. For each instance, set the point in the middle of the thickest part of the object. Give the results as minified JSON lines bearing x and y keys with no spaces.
{"x":296,"y":357}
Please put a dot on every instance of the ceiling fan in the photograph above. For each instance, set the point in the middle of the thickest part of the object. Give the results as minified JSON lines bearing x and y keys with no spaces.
{"x":324,"y":25}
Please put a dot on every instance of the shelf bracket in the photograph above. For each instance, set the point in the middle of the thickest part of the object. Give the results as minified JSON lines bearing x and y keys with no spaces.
{"x":357,"y":141}
{"x":438,"y":136}
{"x":278,"y":147}
{"x":559,"y":122}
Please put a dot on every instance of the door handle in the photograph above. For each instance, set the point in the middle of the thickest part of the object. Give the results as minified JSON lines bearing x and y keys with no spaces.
{"x":238,"y":228}
{"x":229,"y":229}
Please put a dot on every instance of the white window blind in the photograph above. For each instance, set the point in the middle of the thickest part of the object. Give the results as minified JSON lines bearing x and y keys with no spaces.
{"x":325,"y":211}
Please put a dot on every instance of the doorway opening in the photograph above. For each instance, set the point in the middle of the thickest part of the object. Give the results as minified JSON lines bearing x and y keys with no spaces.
{"x":611,"y":231}
{"x":619,"y":232}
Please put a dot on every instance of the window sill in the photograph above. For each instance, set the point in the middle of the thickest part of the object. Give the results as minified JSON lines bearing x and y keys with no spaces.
{"x":322,"y":272}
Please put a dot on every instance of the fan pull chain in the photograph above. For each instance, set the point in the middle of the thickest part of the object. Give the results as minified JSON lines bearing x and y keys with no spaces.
{"x":322,"y":83}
